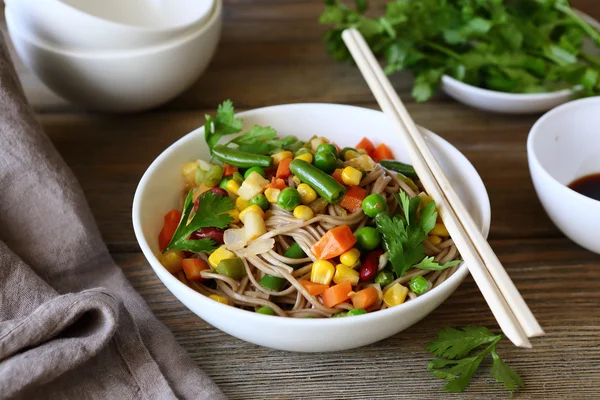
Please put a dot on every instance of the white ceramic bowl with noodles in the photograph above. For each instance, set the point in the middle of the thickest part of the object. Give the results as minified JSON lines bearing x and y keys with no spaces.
{"x":160,"y":190}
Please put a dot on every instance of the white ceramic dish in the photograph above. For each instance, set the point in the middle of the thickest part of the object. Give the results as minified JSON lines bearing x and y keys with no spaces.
{"x":91,"y":25}
{"x":123,"y":81}
{"x":512,"y":103}
{"x":564,"y":145}
{"x":160,"y":188}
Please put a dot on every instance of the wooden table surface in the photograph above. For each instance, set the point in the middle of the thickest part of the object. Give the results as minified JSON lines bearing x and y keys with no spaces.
{"x":271,"y":53}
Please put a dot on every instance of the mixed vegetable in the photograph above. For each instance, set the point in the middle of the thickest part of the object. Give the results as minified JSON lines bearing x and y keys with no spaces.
{"x":229,"y":203}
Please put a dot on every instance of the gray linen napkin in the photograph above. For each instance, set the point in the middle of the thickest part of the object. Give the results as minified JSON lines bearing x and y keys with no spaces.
{"x":71,"y":325}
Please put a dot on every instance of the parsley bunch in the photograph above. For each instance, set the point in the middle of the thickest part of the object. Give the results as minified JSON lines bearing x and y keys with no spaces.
{"x":403,"y":235}
{"x":458,"y":361}
{"x":518,"y":46}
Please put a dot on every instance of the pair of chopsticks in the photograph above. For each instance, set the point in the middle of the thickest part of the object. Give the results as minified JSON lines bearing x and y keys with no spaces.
{"x":510,"y":310}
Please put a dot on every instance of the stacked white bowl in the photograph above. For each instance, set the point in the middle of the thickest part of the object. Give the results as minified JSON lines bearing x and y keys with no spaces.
{"x":115,"y":55}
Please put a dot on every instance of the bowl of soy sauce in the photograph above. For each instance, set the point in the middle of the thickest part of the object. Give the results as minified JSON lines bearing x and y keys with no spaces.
{"x":563,"y":151}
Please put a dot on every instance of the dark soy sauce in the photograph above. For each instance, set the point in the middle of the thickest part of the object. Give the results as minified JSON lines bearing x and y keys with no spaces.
{"x":588,"y":185}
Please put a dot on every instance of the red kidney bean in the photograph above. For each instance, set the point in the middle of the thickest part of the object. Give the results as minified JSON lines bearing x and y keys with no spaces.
{"x":368,"y":270}
{"x":218,"y":190}
{"x":215,"y":234}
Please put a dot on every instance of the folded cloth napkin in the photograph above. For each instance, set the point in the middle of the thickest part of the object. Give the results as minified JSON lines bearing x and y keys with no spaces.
{"x":71,"y":325}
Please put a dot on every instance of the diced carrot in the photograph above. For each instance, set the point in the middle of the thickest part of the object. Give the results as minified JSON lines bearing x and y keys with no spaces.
{"x":276,"y":183}
{"x":365,"y":298}
{"x":382,"y":152}
{"x":365,"y":144}
{"x":229,"y":170}
{"x":314,"y":288}
{"x":353,"y":199}
{"x":169,"y":227}
{"x":337,"y":175}
{"x":283,"y":170}
{"x":334,"y":242}
{"x":192,"y":268}
{"x":337,"y":294}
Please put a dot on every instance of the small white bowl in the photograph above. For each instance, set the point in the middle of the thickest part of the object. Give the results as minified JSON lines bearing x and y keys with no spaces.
{"x":160,"y":189}
{"x":564,"y":145}
{"x":121,"y":81}
{"x":91,"y":25}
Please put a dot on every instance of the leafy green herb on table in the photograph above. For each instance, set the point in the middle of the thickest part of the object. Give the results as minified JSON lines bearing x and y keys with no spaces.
{"x":457,"y":359}
{"x":403,"y":235}
{"x":258,"y":140}
{"x":212,"y":212}
{"x":518,"y":46}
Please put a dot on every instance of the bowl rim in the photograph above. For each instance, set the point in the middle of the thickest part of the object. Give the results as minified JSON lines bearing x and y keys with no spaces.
{"x":459,"y":275}
{"x":537,"y":130}
{"x":141,"y":28}
{"x":213,"y":18}
{"x":451,"y":81}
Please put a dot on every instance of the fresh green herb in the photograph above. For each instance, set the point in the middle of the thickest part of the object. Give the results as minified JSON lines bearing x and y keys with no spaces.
{"x":430,"y":264}
{"x":518,"y":46}
{"x":224,"y":123}
{"x":403,"y":235}
{"x":212,"y":212}
{"x":457,"y":362}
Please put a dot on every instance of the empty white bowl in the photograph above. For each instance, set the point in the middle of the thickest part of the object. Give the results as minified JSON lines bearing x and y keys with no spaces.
{"x":160,"y":189}
{"x":121,"y":81}
{"x":564,"y":145}
{"x":91,"y":25}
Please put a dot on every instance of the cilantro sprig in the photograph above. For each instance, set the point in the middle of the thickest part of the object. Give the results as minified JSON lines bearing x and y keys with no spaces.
{"x":212,"y":212}
{"x":457,"y":359}
{"x":517,"y":46}
{"x":403,"y":235}
{"x":258,"y":139}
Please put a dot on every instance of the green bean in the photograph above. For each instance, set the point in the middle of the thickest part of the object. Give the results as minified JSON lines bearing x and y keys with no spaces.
{"x":397,"y":166}
{"x":327,"y":187}
{"x":271,"y":282}
{"x":240,"y":158}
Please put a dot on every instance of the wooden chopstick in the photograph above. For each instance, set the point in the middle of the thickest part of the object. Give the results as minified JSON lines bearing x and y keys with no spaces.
{"x":507,"y":305}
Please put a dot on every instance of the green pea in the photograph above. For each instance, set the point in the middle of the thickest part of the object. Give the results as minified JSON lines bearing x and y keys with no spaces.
{"x":327,"y":147}
{"x":261,"y":201}
{"x":339,"y":315}
{"x":346,"y":149}
{"x":271,"y":282}
{"x":223,"y":184}
{"x":367,"y":238}
{"x":258,"y":170}
{"x":356,"y":311}
{"x":384,"y":278}
{"x":238,"y":178}
{"x":419,"y":285}
{"x":288,"y":199}
{"x":373,"y":204}
{"x":232,"y":267}
{"x":326,"y":161}
{"x":265,"y":310}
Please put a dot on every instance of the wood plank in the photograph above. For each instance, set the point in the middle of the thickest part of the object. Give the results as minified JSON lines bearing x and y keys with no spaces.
{"x":558,"y":280}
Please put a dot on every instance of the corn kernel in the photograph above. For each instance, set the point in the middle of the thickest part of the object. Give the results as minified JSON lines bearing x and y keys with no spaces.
{"x":350,"y":258}
{"x":232,"y":186}
{"x":271,"y":194}
{"x":171,"y":260}
{"x":255,"y":208}
{"x":281,"y":156}
{"x":435,"y":240}
{"x":395,"y":295}
{"x":296,"y":180}
{"x":350,"y":154}
{"x":345,"y":273}
{"x":308,"y":157}
{"x":351,"y":176}
{"x":218,"y":255}
{"x":307,"y":194}
{"x":440,"y":230}
{"x":220,"y":299}
{"x":303,"y":212}
{"x":189,"y":168}
{"x":322,"y":272}
{"x":425,"y":199}
{"x":241,"y":204}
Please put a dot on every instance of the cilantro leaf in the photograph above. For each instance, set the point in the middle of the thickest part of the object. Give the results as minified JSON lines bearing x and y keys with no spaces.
{"x":457,"y":343}
{"x":505,"y":374}
{"x":458,"y":367}
{"x":212,"y":212}
{"x":224,"y":123}
{"x":430,"y":264}
{"x":255,"y":134}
